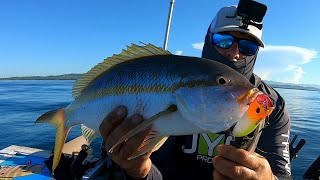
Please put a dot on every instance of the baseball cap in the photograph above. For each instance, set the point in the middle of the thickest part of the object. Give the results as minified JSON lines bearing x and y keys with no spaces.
{"x":227,"y":20}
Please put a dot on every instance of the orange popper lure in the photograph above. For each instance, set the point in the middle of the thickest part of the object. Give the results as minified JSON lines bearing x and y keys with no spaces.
{"x":259,"y":109}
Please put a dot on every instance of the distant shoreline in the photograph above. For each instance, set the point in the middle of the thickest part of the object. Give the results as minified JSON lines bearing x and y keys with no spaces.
{"x":76,"y":76}
{"x":58,"y":77}
{"x":294,"y":87}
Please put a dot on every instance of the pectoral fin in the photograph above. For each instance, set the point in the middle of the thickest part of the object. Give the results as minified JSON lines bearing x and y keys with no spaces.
{"x":152,"y":143}
{"x":144,"y":125}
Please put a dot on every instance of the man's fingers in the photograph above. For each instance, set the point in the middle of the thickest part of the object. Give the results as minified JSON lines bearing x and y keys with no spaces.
{"x":132,"y":144}
{"x":115,"y":126}
{"x":112,"y":120}
{"x":232,"y":170}
{"x":122,"y":129}
{"x":239,"y":156}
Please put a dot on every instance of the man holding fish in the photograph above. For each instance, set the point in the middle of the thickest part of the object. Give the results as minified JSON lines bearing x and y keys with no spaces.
{"x":185,"y":105}
{"x":200,"y":156}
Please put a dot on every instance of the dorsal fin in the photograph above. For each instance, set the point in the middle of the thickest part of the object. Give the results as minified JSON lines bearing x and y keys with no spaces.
{"x":134,"y":51}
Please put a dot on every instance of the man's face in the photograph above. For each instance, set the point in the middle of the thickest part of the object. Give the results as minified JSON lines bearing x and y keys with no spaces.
{"x":233,"y":53}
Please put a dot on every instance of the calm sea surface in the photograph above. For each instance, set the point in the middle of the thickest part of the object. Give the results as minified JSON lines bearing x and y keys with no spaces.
{"x":22,"y":102}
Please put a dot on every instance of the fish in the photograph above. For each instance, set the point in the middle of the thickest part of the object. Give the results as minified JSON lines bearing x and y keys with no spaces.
{"x":177,"y":95}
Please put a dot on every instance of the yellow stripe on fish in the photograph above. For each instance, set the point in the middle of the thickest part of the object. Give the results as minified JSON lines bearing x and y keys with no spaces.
{"x":136,"y":89}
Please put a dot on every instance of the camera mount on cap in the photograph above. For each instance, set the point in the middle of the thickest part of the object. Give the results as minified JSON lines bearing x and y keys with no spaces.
{"x":251,"y":12}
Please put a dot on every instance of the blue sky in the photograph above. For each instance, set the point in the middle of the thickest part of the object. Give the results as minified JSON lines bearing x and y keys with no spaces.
{"x":46,"y":37}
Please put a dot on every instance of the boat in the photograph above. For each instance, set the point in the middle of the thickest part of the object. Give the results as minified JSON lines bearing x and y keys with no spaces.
{"x":77,"y":162}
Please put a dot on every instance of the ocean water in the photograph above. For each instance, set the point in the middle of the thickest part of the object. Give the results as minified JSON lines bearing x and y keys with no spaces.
{"x":22,"y":102}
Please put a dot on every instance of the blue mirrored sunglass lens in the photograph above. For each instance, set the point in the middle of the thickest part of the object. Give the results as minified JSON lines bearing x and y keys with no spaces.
{"x":222,"y":41}
{"x":247,"y":47}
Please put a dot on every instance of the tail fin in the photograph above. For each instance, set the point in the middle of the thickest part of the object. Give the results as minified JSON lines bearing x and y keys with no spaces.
{"x":57,"y":118}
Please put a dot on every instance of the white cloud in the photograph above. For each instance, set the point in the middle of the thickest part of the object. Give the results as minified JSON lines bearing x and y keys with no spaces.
{"x":178,"y":52}
{"x":299,"y":54}
{"x":198,"y":46}
{"x":283,"y":63}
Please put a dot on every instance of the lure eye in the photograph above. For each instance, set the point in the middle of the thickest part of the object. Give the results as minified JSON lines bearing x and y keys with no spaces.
{"x":222,"y":80}
{"x":258,"y":110}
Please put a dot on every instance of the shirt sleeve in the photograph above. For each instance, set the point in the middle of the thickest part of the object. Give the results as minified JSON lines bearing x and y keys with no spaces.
{"x":274,"y":140}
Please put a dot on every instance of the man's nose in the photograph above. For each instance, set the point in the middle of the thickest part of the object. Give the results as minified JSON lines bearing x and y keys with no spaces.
{"x":233,"y":52}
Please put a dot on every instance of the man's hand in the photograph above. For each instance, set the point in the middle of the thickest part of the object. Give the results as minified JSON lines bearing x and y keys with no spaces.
{"x":234,"y":163}
{"x":112,"y":128}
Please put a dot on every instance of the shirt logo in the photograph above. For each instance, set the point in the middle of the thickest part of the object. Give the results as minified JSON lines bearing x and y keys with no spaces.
{"x":205,"y":146}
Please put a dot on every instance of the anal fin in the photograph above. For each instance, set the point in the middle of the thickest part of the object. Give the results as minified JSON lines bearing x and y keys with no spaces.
{"x":89,"y":134}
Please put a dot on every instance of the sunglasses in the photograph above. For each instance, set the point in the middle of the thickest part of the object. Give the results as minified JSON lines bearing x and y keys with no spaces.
{"x":225,"y":41}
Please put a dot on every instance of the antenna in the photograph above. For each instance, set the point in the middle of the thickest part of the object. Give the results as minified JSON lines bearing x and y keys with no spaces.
{"x":165,"y":45}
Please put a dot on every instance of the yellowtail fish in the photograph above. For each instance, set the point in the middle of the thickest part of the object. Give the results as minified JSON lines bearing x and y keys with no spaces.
{"x":178,"y":95}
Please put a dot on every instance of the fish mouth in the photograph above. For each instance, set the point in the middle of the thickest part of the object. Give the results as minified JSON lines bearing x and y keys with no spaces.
{"x":246,"y":99}
{"x":255,"y":96}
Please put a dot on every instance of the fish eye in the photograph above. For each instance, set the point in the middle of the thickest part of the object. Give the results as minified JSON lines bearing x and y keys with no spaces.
{"x":222,"y":80}
{"x":258,"y":110}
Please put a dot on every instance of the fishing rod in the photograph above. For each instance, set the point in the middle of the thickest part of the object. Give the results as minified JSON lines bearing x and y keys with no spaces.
{"x":165,"y":45}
